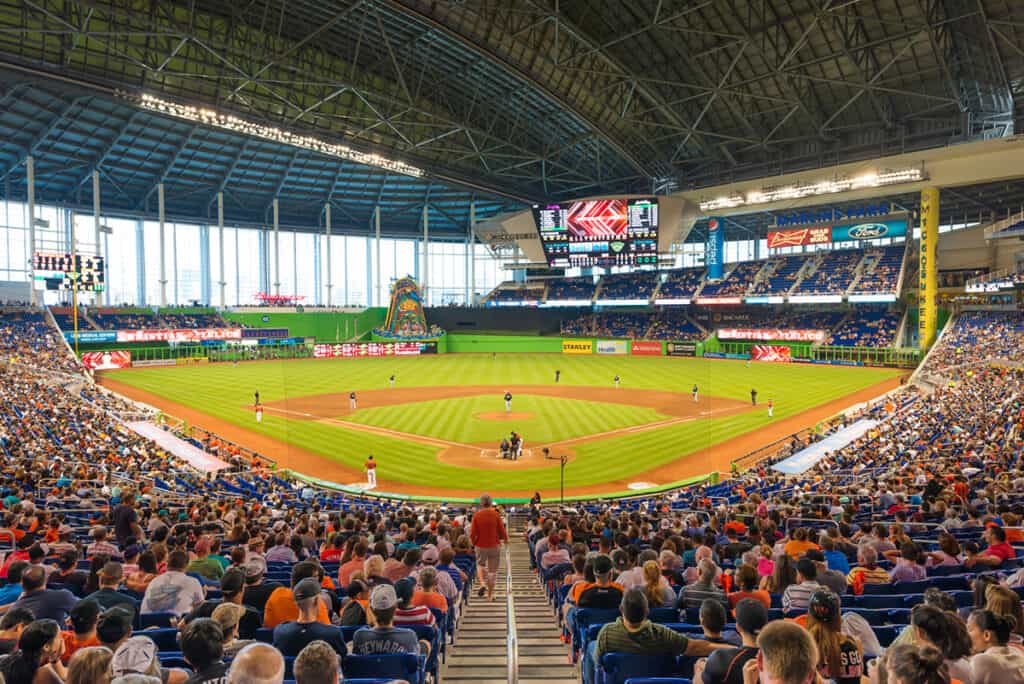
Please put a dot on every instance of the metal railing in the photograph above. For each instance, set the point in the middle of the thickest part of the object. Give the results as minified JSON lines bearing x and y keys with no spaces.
{"x":510,"y":608}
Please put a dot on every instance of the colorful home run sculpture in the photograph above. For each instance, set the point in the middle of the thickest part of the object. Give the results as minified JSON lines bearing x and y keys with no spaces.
{"x":405,"y":319}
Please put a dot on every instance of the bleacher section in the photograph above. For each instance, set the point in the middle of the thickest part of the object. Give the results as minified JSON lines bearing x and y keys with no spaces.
{"x":571,"y":289}
{"x":115,"y":319}
{"x":736,"y":283}
{"x":628,"y":286}
{"x":674,"y":326}
{"x":834,"y":274}
{"x":783,"y":275}
{"x":680,"y":284}
{"x":869,"y":328}
{"x":884,"y":275}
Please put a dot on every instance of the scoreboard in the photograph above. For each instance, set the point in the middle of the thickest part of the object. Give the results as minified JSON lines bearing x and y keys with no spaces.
{"x":60,"y":270}
{"x":603,"y":232}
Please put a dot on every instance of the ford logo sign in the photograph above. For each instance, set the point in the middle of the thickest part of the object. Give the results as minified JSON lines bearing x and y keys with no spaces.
{"x":868,"y":231}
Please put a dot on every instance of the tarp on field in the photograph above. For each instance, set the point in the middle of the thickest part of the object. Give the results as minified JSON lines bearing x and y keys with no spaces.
{"x":807,"y":458}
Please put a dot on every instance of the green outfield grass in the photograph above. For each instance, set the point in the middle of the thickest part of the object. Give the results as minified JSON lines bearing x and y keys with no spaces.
{"x":225,"y":391}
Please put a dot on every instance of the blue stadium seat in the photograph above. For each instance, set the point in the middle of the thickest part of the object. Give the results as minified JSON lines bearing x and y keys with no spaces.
{"x":166,"y":639}
{"x":617,"y":668}
{"x":400,"y":666}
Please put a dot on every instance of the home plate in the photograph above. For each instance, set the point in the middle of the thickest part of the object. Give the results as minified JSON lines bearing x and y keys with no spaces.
{"x":641,"y":485}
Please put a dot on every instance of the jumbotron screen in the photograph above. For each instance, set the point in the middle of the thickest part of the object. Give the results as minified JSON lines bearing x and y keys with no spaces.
{"x":59,"y":270}
{"x":601,"y":232}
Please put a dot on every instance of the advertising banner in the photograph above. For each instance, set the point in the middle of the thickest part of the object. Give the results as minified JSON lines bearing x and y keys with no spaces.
{"x":577,"y":346}
{"x":152,"y":362}
{"x":90,"y":336}
{"x":796,"y":237}
{"x":647,"y":349}
{"x":771,"y":352}
{"x":769,"y":334}
{"x":364,"y":349}
{"x":191,"y":360}
{"x":184,"y":335}
{"x":870,"y":230}
{"x":611,"y":346}
{"x":714,"y":250}
{"x":107,"y":360}
{"x":681,"y":348}
{"x":928,"y":269}
{"x":264,"y":333}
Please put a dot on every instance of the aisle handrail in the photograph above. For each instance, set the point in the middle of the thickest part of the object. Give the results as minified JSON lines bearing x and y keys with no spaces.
{"x":513,"y":639}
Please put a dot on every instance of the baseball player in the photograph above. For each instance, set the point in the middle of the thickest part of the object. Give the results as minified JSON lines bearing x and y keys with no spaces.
{"x":391,"y":380}
{"x":753,"y":397}
{"x":616,"y":379}
{"x":352,"y":400}
{"x":259,"y":413}
{"x":508,"y":401}
{"x":694,"y":392}
{"x":771,"y":408}
{"x":371,"y":472}
{"x":558,"y":374}
{"x":256,"y":394}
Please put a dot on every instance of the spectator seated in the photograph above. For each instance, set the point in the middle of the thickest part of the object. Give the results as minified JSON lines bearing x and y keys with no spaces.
{"x":867,"y":328}
{"x":736,"y":283}
{"x":636,"y":285}
{"x":681,"y":283}
{"x":884,"y":275}
{"x":834,"y":274}
{"x":571,"y":289}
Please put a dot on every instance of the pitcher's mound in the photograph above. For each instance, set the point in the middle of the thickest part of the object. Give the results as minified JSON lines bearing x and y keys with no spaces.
{"x":502,"y":415}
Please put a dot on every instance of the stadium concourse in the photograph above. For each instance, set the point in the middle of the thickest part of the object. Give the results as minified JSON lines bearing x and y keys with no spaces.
{"x":900,"y":548}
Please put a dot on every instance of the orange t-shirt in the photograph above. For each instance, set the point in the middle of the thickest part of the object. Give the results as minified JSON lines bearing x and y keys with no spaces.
{"x":281,"y":608}
{"x":72,"y":644}
{"x":488,"y":530}
{"x":794,"y":549}
{"x":431,"y":600}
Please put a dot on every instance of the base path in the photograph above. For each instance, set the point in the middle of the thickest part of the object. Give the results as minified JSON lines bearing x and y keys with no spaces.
{"x":329,"y":408}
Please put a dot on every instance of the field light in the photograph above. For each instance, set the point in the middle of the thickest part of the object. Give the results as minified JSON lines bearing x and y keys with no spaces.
{"x":230,"y":122}
{"x":807,"y":189}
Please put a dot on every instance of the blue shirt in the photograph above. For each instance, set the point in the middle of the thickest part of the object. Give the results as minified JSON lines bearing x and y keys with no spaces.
{"x":837,"y":561}
{"x":9,"y":593}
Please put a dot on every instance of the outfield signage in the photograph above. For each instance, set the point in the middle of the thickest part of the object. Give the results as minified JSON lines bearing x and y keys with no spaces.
{"x":107,"y":360}
{"x":815,"y":299}
{"x":772,"y":353}
{"x":681,"y":348}
{"x":771,"y":334}
{"x":714,"y":249}
{"x":822,"y":235}
{"x":91,"y":336}
{"x":183,"y":335}
{"x":611,"y":346}
{"x":367,"y":349}
{"x":264,"y":333}
{"x":711,"y":301}
{"x":577,"y":346}
{"x":152,"y":362}
{"x":673,"y":301}
{"x":646,"y":348}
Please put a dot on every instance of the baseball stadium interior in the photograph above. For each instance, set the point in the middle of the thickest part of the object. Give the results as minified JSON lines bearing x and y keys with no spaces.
{"x":533,"y":341}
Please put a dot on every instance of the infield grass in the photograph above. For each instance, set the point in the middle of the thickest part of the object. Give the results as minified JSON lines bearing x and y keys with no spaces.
{"x":225,"y":391}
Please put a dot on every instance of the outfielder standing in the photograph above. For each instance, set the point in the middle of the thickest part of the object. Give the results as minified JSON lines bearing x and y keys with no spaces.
{"x":771,"y":408}
{"x":694,"y":391}
{"x":558,"y":374}
{"x":371,"y":472}
{"x":352,"y":400}
{"x":616,"y":379}
{"x":391,"y":380}
{"x":508,"y":401}
{"x":259,"y":413}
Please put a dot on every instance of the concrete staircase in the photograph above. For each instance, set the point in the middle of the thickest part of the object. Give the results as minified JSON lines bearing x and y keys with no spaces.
{"x":480,"y":654}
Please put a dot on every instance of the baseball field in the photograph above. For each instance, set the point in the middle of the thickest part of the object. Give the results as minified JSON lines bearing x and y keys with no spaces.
{"x":437,"y":430}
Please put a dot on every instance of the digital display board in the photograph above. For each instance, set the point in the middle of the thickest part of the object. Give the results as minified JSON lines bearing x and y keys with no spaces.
{"x":602,"y":232}
{"x":59,"y":271}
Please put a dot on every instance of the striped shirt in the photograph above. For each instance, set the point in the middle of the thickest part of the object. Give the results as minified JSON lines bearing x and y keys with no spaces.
{"x":797,"y":596}
{"x":413,"y":615}
{"x":875,"y":575}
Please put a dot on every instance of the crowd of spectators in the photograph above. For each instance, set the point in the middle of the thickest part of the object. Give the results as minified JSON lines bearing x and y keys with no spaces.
{"x":681,"y":283}
{"x":114,"y":319}
{"x":736,"y":283}
{"x":884,"y":275}
{"x":781,"y":276}
{"x":516,"y":293}
{"x":834,"y":274}
{"x":675,"y":326}
{"x":636,"y":285}
{"x":571,"y":288}
{"x":1002,"y":333}
{"x":867,"y":328}
{"x":668,"y":324}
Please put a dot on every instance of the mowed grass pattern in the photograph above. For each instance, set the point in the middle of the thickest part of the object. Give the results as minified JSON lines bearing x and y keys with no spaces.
{"x":226,"y":391}
{"x":553,"y":419}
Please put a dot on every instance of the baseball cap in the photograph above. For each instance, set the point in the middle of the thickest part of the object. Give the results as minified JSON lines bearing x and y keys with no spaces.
{"x":114,"y":624}
{"x":306,"y":589}
{"x":751,"y":615}
{"x":134,"y":656}
{"x":823,"y":605}
{"x":383,"y":597}
{"x":404,"y":589}
{"x":602,"y":564}
{"x":227,"y":615}
{"x":429,"y":554}
{"x":255,"y":567}
{"x":132,"y":550}
{"x":815,"y":555}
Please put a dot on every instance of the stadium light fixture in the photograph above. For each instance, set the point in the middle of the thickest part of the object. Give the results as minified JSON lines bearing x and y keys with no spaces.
{"x":40,"y":223}
{"x":811,"y":189}
{"x":235,"y":124}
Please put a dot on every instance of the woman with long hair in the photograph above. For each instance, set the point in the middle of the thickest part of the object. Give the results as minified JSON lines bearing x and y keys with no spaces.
{"x":916,"y":664}
{"x":95,"y":565}
{"x":37,"y":659}
{"x":783,"y":575}
{"x":659,"y":594}
{"x":948,"y":552}
{"x":994,"y":662}
{"x":90,"y":666}
{"x":946,"y":632}
{"x":1005,"y":602}
{"x":839,"y":655}
{"x":147,"y":572}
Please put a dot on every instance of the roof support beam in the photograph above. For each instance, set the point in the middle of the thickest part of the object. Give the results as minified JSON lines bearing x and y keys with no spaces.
{"x":162,"y":175}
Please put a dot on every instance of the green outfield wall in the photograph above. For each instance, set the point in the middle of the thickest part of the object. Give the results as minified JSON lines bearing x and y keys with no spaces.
{"x":459,"y":344}
{"x":324,"y":326}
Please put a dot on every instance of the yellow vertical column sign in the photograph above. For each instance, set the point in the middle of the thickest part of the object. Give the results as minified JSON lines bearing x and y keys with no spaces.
{"x":929,"y":268}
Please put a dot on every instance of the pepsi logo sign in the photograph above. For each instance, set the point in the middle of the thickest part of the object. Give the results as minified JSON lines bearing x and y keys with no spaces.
{"x":713,"y":225}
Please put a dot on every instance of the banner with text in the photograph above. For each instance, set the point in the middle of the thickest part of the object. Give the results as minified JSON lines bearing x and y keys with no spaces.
{"x":647,"y":349}
{"x":771,"y":352}
{"x":107,"y":360}
{"x":796,"y":237}
{"x":611,"y":346}
{"x":681,"y":348}
{"x":577,"y":346}
{"x":714,"y":250}
{"x":183,"y":335}
{"x":358,"y":349}
{"x":768,"y":334}
{"x":91,"y":336}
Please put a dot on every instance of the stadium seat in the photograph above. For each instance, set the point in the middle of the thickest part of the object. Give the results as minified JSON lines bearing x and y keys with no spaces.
{"x":401,"y":666}
{"x":617,"y":668}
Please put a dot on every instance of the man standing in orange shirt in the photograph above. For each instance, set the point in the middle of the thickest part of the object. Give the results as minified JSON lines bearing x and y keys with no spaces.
{"x":487,"y":532}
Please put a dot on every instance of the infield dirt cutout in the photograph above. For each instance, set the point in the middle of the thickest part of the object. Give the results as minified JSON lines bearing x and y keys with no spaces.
{"x":504,"y":416}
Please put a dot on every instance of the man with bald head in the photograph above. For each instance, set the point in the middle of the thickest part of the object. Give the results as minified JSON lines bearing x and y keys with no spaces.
{"x":52,"y":604}
{"x":257,"y":664}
